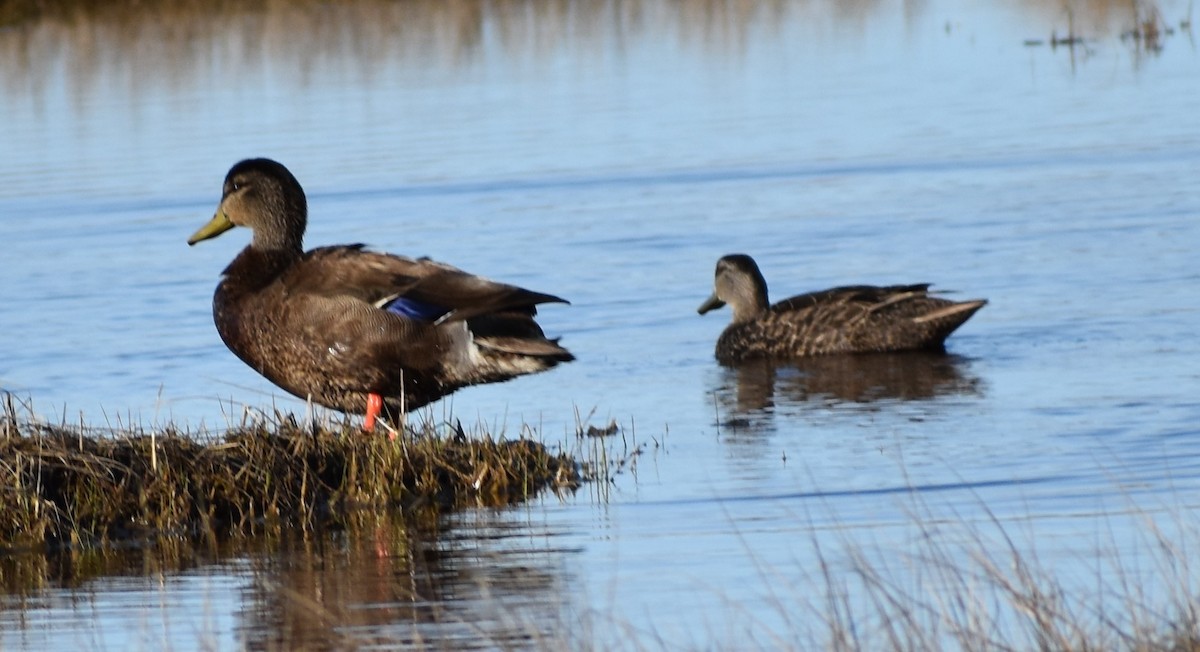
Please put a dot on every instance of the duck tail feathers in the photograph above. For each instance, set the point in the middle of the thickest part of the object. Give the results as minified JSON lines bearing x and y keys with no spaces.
{"x":955,"y":313}
{"x":545,"y":349}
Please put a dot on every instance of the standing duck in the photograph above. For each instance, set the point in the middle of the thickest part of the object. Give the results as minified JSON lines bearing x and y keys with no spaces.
{"x":851,"y":319}
{"x":355,"y":330}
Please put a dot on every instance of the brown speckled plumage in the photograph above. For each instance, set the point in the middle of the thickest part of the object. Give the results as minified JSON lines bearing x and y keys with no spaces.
{"x":314,"y":324}
{"x":851,"y":319}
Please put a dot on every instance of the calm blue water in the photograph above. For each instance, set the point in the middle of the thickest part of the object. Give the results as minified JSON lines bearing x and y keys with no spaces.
{"x":610,"y":153}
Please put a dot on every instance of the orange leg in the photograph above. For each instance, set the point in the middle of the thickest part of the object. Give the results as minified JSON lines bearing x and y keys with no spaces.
{"x":374,"y":407}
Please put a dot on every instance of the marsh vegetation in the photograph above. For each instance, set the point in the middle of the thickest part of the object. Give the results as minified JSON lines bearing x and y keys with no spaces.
{"x":76,"y":485}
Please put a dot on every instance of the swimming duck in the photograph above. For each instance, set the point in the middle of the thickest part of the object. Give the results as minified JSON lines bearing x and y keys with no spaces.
{"x":851,"y":319}
{"x":355,"y":330}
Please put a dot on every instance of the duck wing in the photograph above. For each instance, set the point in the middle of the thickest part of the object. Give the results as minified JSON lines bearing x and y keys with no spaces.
{"x":869,"y":297}
{"x":431,"y":289}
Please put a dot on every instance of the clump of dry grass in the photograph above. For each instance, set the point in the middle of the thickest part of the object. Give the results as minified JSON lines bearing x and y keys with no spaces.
{"x":74,"y":486}
{"x":979,"y":583}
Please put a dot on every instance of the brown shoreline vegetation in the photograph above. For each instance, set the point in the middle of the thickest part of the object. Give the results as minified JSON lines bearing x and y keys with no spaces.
{"x":76,"y":487}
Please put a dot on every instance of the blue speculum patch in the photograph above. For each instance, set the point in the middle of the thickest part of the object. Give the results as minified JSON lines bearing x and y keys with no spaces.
{"x":414,"y":309}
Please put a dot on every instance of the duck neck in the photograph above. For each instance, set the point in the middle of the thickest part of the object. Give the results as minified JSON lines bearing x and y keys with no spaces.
{"x":254,"y":269}
{"x":746,"y":312}
{"x":274,"y":243}
{"x":284,"y":220}
{"x":751,"y":300}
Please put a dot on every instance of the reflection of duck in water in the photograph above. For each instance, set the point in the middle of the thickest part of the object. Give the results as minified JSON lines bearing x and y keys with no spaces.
{"x":850,"y":319}
{"x":758,"y":385}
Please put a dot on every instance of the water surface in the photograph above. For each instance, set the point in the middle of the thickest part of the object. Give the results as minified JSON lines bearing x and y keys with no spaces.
{"x":610,"y":153}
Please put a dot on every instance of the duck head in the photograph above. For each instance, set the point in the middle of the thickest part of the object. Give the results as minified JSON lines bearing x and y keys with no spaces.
{"x":739,"y":283}
{"x":262,"y":195}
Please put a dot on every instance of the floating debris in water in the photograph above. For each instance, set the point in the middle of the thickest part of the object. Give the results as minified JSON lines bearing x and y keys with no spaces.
{"x":607,"y":431}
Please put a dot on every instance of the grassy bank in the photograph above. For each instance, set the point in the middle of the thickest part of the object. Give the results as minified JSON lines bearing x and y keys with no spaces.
{"x":65,"y":485}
